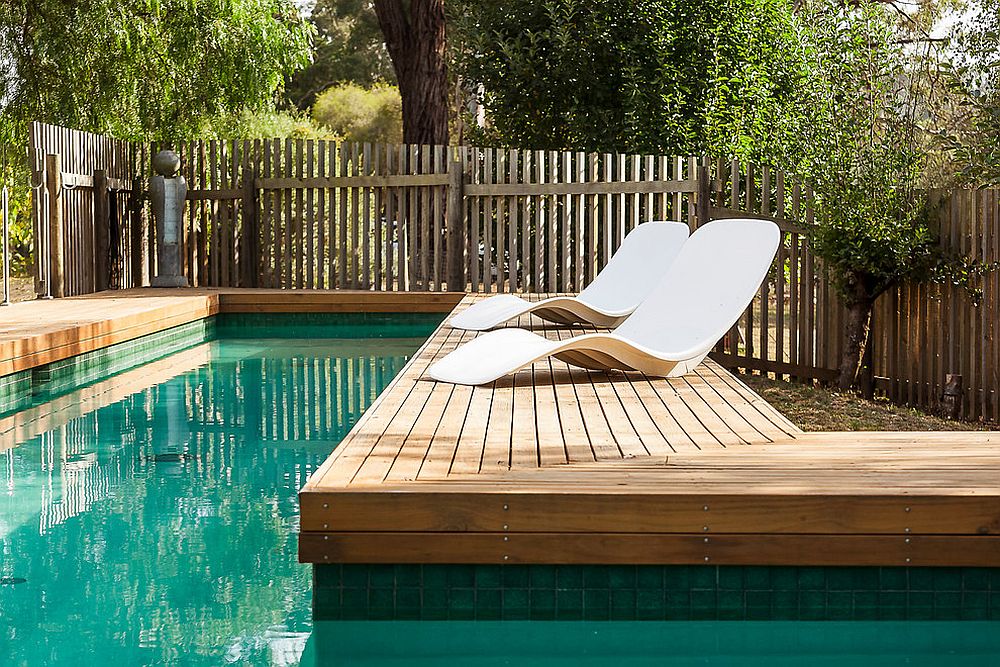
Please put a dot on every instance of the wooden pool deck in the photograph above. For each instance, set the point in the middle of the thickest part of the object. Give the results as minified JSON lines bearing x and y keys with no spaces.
{"x":560,"y":465}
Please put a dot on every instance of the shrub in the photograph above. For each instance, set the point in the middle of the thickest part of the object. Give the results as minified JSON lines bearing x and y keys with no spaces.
{"x":264,"y":125}
{"x":359,"y":114}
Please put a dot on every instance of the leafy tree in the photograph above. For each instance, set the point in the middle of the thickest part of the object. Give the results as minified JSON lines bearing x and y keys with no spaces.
{"x":667,"y":76}
{"x":348,"y":48}
{"x":147,"y":69}
{"x":357,"y":114}
{"x":863,"y":156}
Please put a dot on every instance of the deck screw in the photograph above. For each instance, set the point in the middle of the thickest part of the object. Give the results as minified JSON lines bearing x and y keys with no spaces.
{"x":907,"y":509}
{"x":705,"y":508}
{"x":325,"y":526}
{"x":505,"y":526}
{"x":326,"y":506}
{"x":506,"y":557}
{"x":906,"y":530}
{"x":326,"y":537}
{"x":506,"y":538}
{"x":907,"y":540}
{"x":506,"y":507}
{"x":326,"y":557}
{"x":705,"y":528}
{"x":706,"y":559}
{"x":706,"y":540}
{"x":907,"y":559}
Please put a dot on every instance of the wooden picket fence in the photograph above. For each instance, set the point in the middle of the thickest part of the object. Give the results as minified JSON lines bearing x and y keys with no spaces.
{"x":304,"y":214}
{"x":925,"y":332}
{"x":95,"y":177}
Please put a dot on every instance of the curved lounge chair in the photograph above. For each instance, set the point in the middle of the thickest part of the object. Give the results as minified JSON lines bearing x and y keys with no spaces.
{"x":631,"y":273}
{"x":702,"y":294}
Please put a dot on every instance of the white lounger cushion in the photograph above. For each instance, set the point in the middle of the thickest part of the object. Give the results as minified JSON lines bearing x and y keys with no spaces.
{"x":630,"y":275}
{"x":709,"y":285}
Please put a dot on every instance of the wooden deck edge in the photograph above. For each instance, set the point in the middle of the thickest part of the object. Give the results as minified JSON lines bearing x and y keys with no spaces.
{"x":650,"y":549}
{"x":635,"y":511}
{"x":195,"y":304}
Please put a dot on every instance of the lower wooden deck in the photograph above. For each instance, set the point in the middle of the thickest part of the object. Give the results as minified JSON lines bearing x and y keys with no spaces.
{"x":562,"y":465}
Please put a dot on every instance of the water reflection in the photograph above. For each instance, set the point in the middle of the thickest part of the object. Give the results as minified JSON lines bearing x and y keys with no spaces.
{"x":161,"y":527}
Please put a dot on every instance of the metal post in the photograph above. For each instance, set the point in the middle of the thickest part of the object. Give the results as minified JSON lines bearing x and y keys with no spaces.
{"x":5,"y":212}
{"x":56,"y":283}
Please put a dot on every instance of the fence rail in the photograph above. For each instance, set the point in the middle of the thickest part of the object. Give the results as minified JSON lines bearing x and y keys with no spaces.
{"x":292,"y":213}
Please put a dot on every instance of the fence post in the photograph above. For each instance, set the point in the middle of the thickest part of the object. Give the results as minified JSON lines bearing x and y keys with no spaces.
{"x":102,"y":232}
{"x":456,"y":221}
{"x":136,"y":199}
{"x":704,"y":194}
{"x":53,"y":169}
{"x":249,"y":239}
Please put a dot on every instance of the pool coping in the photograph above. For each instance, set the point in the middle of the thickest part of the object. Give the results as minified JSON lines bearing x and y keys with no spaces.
{"x":40,"y":332}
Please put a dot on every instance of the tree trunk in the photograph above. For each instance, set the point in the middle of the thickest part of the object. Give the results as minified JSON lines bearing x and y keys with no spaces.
{"x":414,"y":37}
{"x":857,"y":328}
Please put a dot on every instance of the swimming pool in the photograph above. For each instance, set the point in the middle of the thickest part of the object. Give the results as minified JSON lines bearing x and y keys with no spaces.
{"x":151,"y":517}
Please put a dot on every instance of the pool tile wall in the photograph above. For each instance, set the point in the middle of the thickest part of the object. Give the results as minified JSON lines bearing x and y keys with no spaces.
{"x":45,"y":382}
{"x":641,"y":592}
{"x":15,"y":391}
{"x":327,"y":325}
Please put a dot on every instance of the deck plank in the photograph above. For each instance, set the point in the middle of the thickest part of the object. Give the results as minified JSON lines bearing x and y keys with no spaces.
{"x":579,"y":466}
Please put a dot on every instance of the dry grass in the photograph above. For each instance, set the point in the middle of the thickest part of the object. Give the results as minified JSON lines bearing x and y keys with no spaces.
{"x":21,"y":288}
{"x":817,"y":409}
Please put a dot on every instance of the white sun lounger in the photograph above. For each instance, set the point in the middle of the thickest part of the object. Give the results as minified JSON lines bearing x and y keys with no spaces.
{"x":703,"y":293}
{"x":631,"y":273}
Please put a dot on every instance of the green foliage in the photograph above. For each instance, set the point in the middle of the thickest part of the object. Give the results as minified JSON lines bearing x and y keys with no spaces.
{"x":359,"y":114}
{"x":667,"y":76}
{"x":264,"y":124}
{"x":348,"y":48}
{"x":861,"y":150}
{"x":144,"y":69}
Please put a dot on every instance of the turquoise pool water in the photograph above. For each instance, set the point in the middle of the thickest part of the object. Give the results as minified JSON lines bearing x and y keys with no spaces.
{"x":151,"y":518}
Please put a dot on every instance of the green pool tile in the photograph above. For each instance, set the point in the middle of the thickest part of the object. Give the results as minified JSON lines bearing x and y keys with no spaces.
{"x":542,"y":576}
{"x":995,"y":579}
{"x":516,"y":604}
{"x":840,"y":579}
{"x":515,"y":576}
{"x":947,"y":600}
{"x":649,"y":577}
{"x":569,"y":578}
{"x":382,"y":576}
{"x":732,"y":604}
{"x":784,"y":579}
{"x":355,"y":602}
{"x":974,"y":613}
{"x":812,"y":600}
{"x":489,"y":576}
{"x":916,"y":613}
{"x":407,"y":575}
{"x":812,"y":579}
{"x":354,"y":576}
{"x":542,"y":603}
{"x":408,"y":603}
{"x":436,"y":598}
{"x":947,"y":579}
{"x":757,"y":578}
{"x":731,"y":579}
{"x":757,"y":598}
{"x":489,"y":604}
{"x":920,"y":579}
{"x":785,"y":613}
{"x":596,"y":576}
{"x":621,"y":576}
{"x":976,"y":579}
{"x":597,"y":604}
{"x":920,"y":599}
{"x":785,"y":598}
{"x":892,"y":598}
{"x":866,"y":598}
{"x":649,"y":604}
{"x":461,"y":602}
{"x":461,"y":575}
{"x":703,"y":600}
{"x":623,"y":604}
{"x":704,"y":577}
{"x":435,"y":576}
{"x":892,"y":578}
{"x":569,"y":604}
